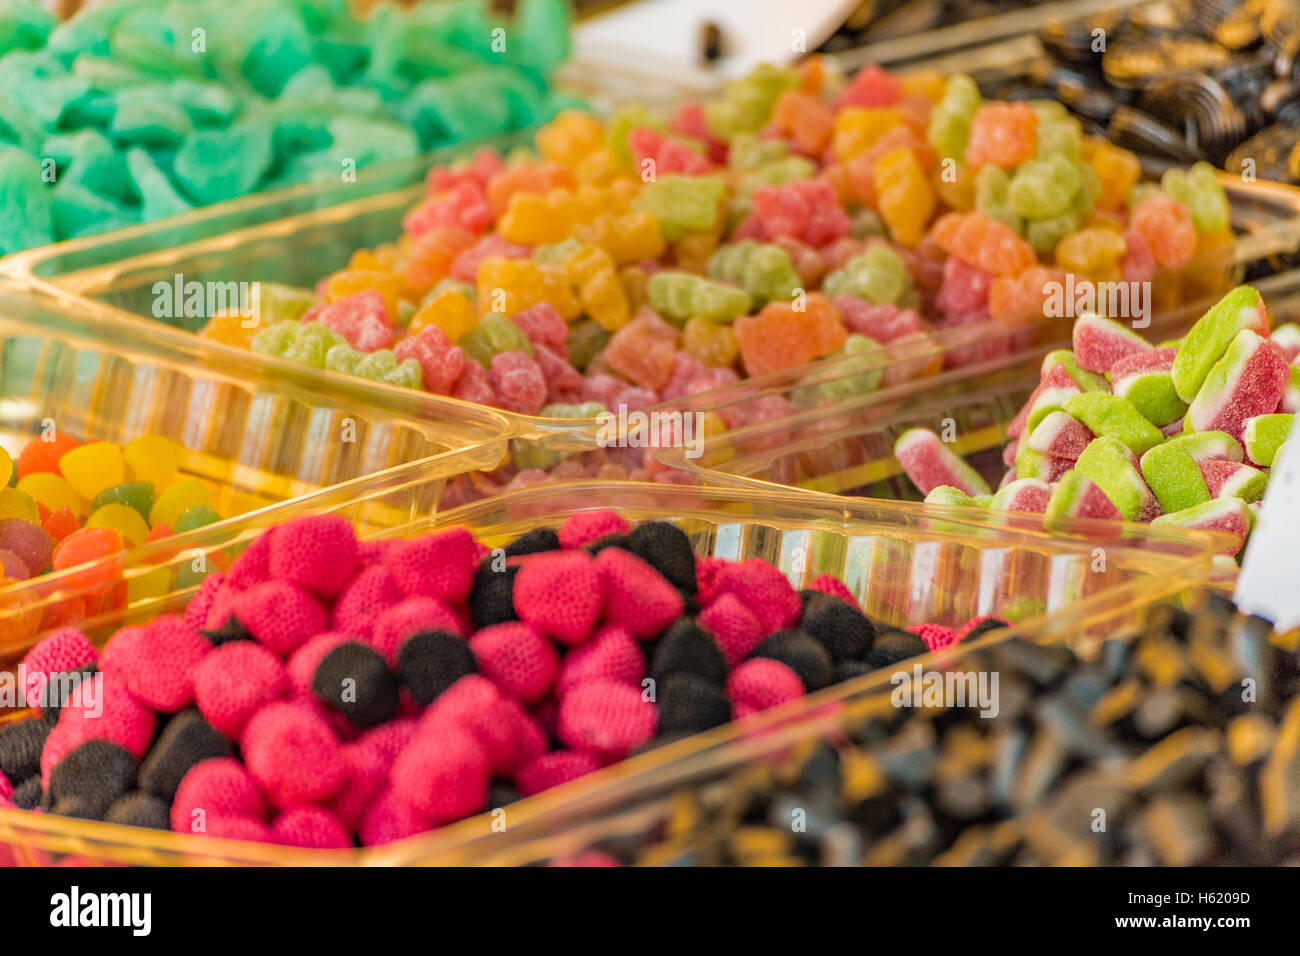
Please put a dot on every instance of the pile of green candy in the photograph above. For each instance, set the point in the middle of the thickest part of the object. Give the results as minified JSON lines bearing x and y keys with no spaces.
{"x":138,"y":109}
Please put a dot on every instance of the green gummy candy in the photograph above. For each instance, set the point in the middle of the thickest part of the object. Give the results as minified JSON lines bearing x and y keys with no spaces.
{"x":1044,"y":234}
{"x":1209,"y":338}
{"x":1087,"y":381}
{"x":78,"y":211}
{"x":134,"y":494}
{"x":764,"y":270}
{"x":1032,"y":464}
{"x":1247,"y":483}
{"x":1106,"y":414}
{"x":88,"y":159}
{"x":948,"y":495}
{"x":1263,"y":435}
{"x":197,"y":517}
{"x":1199,"y":189}
{"x":26,"y":201}
{"x":683,"y":204}
{"x":1042,"y":189}
{"x":145,"y":118}
{"x":586,"y":341}
{"x":276,"y":302}
{"x":343,"y":358}
{"x":679,"y":296}
{"x":275,"y":339}
{"x":1153,"y":394}
{"x":1205,"y":445}
{"x":746,"y":104}
{"x":24,"y":25}
{"x":407,"y":374}
{"x":158,"y":196}
{"x":1174,"y":477}
{"x":312,"y":344}
{"x":747,"y":152}
{"x":1208,"y":513}
{"x":622,"y":121}
{"x":1107,"y":463}
{"x":877,"y":275}
{"x":377,"y":365}
{"x":491,"y":335}
{"x":222,"y":164}
{"x":992,"y":186}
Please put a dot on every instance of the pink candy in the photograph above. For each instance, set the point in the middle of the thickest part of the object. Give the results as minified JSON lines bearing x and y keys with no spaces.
{"x":361,"y":318}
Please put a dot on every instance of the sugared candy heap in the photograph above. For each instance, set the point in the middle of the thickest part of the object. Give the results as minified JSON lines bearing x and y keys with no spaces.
{"x":69,"y":502}
{"x":1184,"y":433}
{"x":324,"y":692}
{"x":796,"y":217}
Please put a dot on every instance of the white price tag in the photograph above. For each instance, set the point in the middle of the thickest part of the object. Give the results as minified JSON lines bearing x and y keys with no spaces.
{"x":1269,"y":584}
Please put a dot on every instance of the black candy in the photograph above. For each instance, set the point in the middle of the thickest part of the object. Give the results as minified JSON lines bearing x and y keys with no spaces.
{"x":93,"y":775}
{"x":841,"y":628}
{"x":431,"y":661}
{"x":689,"y":704}
{"x":139,"y":809}
{"x":893,"y":646}
{"x":492,"y":601}
{"x":186,"y":740}
{"x":802,"y":654}
{"x":686,"y":648}
{"x":667,"y":549}
{"x":21,"y":744}
{"x":355,"y":680}
{"x":230,"y":630}
{"x":533,"y":542}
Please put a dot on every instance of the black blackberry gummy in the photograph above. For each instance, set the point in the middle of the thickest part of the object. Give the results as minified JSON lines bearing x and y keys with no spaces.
{"x":533,"y":542}
{"x":687,"y":648}
{"x":894,"y":645}
{"x":355,"y":680}
{"x":492,"y":601}
{"x":847,"y":670}
{"x":140,"y":809}
{"x":94,"y":775}
{"x":78,"y":807}
{"x":59,"y":687}
{"x":29,"y":795}
{"x":230,"y":630}
{"x":186,"y":740}
{"x":689,"y":704}
{"x":801,"y":653}
{"x":21,"y":744}
{"x":982,"y":628}
{"x":667,"y":549}
{"x":431,"y":661}
{"x":841,"y":628}
{"x":501,"y":793}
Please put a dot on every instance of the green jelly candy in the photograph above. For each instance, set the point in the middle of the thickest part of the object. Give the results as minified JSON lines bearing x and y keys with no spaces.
{"x":134,"y":494}
{"x":1106,"y":414}
{"x":877,"y":275}
{"x":678,"y":296}
{"x":1044,"y":234}
{"x":313,"y":343}
{"x":586,"y":341}
{"x":1106,"y":461}
{"x":1199,"y":189}
{"x":747,"y":152}
{"x":541,"y":34}
{"x":78,"y":211}
{"x":1263,"y":435}
{"x":158,"y":196}
{"x":777,"y":173}
{"x":343,"y":358}
{"x":858,"y":373}
{"x":1203,"y":446}
{"x":86,"y":158}
{"x":746,"y":104}
{"x":683,"y":204}
{"x":24,"y":25}
{"x":200,"y":516}
{"x":144,"y":117}
{"x":378,"y":365}
{"x":223,"y":164}
{"x":407,"y":374}
{"x":275,"y":339}
{"x":1153,"y":394}
{"x":764,"y":270}
{"x":1174,"y":477}
{"x":1209,"y":338}
{"x":26,"y":200}
{"x":948,"y":495}
{"x":370,"y":142}
{"x":992,"y":188}
{"x":1043,"y":188}
{"x":622,"y":121}
{"x":491,"y":335}
{"x":276,"y":302}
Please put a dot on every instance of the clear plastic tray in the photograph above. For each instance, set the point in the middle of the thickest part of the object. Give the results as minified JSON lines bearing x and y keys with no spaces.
{"x":268,"y":447}
{"x":906,"y":562}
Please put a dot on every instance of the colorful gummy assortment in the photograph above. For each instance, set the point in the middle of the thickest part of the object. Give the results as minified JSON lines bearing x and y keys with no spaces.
{"x":324,"y":691}
{"x":797,"y":216}
{"x":132,"y":111}
{"x":1150,"y":754}
{"x":67,"y":502}
{"x":1180,"y":433}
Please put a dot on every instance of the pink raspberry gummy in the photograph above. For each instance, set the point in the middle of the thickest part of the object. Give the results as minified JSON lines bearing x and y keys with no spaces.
{"x":156,"y":663}
{"x":6,"y":790}
{"x":587,"y":526}
{"x":762,"y":683}
{"x":669,"y":156}
{"x":65,"y":651}
{"x":544,"y":326}
{"x":362,"y":318}
{"x":196,"y":612}
{"x":518,"y":382}
{"x":883,"y":323}
{"x":233,"y":681}
{"x":607,"y":718}
{"x":611,"y":655}
{"x":439,"y":565}
{"x":101,"y":708}
{"x":443,"y":776}
{"x":311,"y":827}
{"x":736,"y":630}
{"x":366,"y":774}
{"x":389,"y":818}
{"x":463,"y":206}
{"x":292,"y":754}
{"x":440,"y":359}
{"x":366,"y":597}
{"x":395,"y":626}
{"x":517,"y":658}
{"x":936,"y":636}
{"x":564,"y":383}
{"x":637,"y":597}
{"x":552,"y":769}
{"x":220,"y":787}
{"x":477,"y":705}
{"x":764,"y":590}
{"x":279,"y":615}
{"x":318,"y":553}
{"x":830,"y":584}
{"x":560,"y":594}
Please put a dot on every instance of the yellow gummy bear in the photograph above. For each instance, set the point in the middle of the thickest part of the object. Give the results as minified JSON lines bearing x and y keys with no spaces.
{"x":124,"y":519}
{"x":178,"y":499}
{"x":92,"y":468}
{"x":154,"y":458}
{"x":53,"y":491}
{"x":450,"y":310}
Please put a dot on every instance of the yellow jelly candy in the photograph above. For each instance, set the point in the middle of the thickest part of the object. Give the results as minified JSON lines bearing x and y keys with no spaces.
{"x":711,"y":342}
{"x":16,"y":504}
{"x":349,"y":282}
{"x":6,"y":467}
{"x":230,"y":329}
{"x":53,"y":491}
{"x":450,"y":310}
{"x":179,"y":498}
{"x":92,"y":468}
{"x":153,"y":458}
{"x":121,"y":518}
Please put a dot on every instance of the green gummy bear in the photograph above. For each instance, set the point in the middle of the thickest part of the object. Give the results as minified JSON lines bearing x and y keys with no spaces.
{"x":747,"y":152}
{"x":764,"y":270}
{"x":1043,"y":189}
{"x":586,"y":340}
{"x":992,"y":186}
{"x":746,"y":103}
{"x":492,"y":334}
{"x":877,"y":275}
{"x":275,"y":339}
{"x":678,"y":296}
{"x":343,"y":358}
{"x":1199,"y":189}
{"x":1106,"y":414}
{"x":683,"y":204}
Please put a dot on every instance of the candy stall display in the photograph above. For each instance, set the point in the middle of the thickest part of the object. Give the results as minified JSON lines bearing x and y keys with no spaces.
{"x":131,"y":112}
{"x":509,"y":647}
